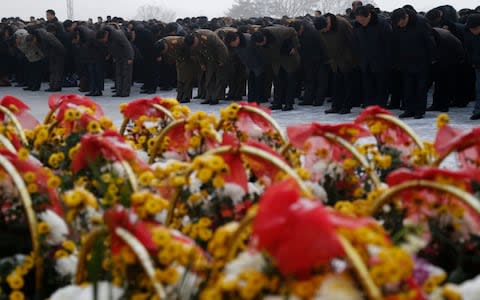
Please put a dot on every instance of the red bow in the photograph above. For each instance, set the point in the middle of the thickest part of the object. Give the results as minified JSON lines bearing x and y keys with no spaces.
{"x":21,"y":111}
{"x":126,"y":219}
{"x":247,"y":120}
{"x":299,"y":134}
{"x":299,"y":234}
{"x":466,"y":144}
{"x":64,"y":102}
{"x":109,"y":145}
{"x":393,"y":135}
{"x":143,"y":107}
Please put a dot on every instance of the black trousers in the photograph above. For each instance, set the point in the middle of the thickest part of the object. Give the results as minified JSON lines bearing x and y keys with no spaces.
{"x":284,"y":85}
{"x":256,"y":87}
{"x":444,"y":92}
{"x":416,"y":88}
{"x":148,"y":73}
{"x":96,"y":75}
{"x":465,"y":85}
{"x":396,"y":89}
{"x":375,"y":87}
{"x":215,"y":82}
{"x":123,"y":77}
{"x":56,"y":66}
{"x":343,"y":90}
{"x":315,"y":82}
{"x":34,"y":74}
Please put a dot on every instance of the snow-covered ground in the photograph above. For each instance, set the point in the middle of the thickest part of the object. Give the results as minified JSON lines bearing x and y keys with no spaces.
{"x":302,"y":114}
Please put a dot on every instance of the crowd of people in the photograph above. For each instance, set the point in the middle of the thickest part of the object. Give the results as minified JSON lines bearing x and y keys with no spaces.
{"x":364,"y":57}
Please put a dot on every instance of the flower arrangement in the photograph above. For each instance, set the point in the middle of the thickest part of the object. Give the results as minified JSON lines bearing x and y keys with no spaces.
{"x":232,"y":208}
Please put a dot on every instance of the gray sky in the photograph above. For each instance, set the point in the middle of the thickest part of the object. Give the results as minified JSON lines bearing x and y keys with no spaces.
{"x":127,"y":8}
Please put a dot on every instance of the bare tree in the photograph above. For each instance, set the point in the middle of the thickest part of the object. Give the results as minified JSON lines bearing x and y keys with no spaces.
{"x":338,"y":6}
{"x":291,"y":8}
{"x":155,"y":11}
{"x":243,"y":9}
{"x":294,"y":8}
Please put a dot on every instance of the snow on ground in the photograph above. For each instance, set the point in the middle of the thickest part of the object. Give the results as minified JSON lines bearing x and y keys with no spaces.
{"x":426,"y":128}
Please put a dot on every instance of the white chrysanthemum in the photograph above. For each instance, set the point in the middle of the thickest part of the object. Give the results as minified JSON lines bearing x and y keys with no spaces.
{"x":161,"y":217}
{"x":255,"y":131}
{"x":195,"y":183}
{"x":470,"y":290}
{"x":414,"y":243}
{"x":317,"y":190}
{"x":245,"y":261}
{"x":255,"y":189}
{"x":338,"y":287}
{"x":142,"y":155}
{"x":232,"y":191}
{"x":172,"y":155}
{"x":67,"y":266}
{"x":74,"y":292}
{"x":58,"y":227}
{"x":118,"y":169}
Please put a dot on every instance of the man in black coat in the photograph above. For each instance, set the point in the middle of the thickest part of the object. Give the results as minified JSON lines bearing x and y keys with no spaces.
{"x":246,"y":51}
{"x":91,"y":55}
{"x":472,"y":46}
{"x":279,"y":46}
{"x":54,"y":50}
{"x":315,"y":65}
{"x":373,"y":45}
{"x":450,"y":54}
{"x":122,"y":53}
{"x":338,"y":35}
{"x":144,"y":41}
{"x":413,"y":52}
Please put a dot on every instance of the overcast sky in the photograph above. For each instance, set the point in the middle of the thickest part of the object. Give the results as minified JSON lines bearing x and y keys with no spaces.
{"x":127,"y":8}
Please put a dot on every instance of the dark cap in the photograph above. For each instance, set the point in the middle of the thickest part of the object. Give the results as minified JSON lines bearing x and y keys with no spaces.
{"x":320,"y":22}
{"x":473,"y":21}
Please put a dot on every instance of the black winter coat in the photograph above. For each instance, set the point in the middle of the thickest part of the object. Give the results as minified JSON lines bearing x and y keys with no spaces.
{"x":472,"y":46}
{"x":49,"y":44}
{"x":90,"y":49}
{"x":449,"y":49}
{"x":413,"y":46}
{"x":249,"y":55}
{"x":312,"y":45}
{"x":144,"y":41}
{"x":118,"y":45}
{"x":373,"y":44}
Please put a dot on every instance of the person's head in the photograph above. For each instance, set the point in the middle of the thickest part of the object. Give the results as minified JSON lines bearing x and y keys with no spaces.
{"x":32,"y":19}
{"x":323,"y":23}
{"x":31,"y":39}
{"x":99,"y":19}
{"x":409,"y":7}
{"x":400,"y":17}
{"x":299,"y":27}
{"x":259,"y":38}
{"x":434,"y":16}
{"x":109,"y":18}
{"x":102,"y":35}
{"x":473,"y":24}
{"x":232,"y":39}
{"x":318,"y":13}
{"x":76,"y":37}
{"x":68,"y":25}
{"x":363,"y":15}
{"x":161,"y":46}
{"x":50,"y":15}
{"x":191,"y":41}
{"x":356,"y":4}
